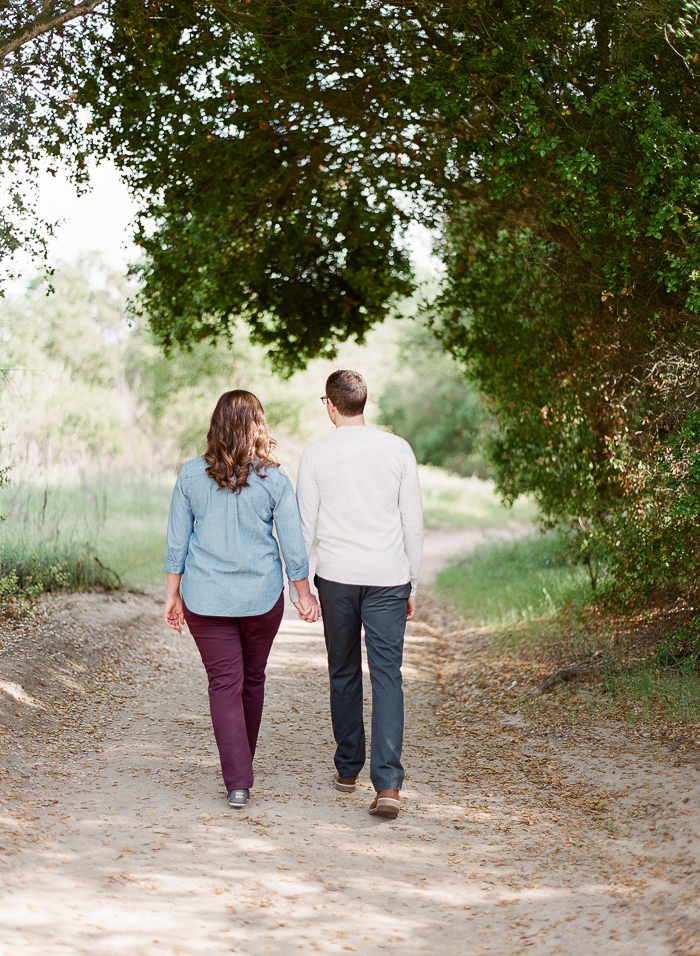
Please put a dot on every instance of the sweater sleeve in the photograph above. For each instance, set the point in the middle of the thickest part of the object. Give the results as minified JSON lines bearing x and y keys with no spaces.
{"x":308,"y":500}
{"x":411,"y":509}
{"x":180,"y":525}
{"x":286,"y":516}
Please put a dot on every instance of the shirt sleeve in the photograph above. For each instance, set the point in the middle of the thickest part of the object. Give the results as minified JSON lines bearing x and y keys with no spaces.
{"x":286,"y":517}
{"x":180,"y":525}
{"x":411,"y":509}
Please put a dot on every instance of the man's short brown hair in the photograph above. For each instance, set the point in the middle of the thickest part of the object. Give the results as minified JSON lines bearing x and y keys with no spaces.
{"x":347,"y":391}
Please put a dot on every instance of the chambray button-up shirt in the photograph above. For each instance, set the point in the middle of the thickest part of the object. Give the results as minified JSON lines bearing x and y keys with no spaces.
{"x":223,"y":544}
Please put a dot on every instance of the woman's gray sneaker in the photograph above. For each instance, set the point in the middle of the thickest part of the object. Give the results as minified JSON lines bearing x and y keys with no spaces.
{"x":238,"y":798}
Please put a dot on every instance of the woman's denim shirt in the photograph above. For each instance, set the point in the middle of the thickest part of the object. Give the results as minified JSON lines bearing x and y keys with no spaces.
{"x":222,"y":543}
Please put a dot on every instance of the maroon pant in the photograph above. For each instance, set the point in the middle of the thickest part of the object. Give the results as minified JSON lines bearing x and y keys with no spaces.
{"x":234,"y":652}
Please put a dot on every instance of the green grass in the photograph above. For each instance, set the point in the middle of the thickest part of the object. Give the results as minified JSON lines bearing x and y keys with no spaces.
{"x":535,"y":601}
{"x":75,"y":534}
{"x":87,"y":529}
{"x":649,"y":691}
{"x":453,"y":502}
{"x":505,"y":583}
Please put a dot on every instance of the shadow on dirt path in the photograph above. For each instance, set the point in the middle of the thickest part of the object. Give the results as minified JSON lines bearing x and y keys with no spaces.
{"x":116,"y":838}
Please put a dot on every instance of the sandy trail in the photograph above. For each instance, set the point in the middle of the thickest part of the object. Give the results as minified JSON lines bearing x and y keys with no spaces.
{"x":116,"y":838}
{"x":440,"y":546}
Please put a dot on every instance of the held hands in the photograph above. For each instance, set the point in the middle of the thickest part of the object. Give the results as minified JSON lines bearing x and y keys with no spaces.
{"x":309,"y":609}
{"x":306,"y":604}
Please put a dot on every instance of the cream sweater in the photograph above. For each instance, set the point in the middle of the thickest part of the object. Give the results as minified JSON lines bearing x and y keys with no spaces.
{"x":360,"y":486}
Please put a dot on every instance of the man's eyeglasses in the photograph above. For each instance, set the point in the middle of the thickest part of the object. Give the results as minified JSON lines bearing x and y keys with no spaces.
{"x":325,"y":399}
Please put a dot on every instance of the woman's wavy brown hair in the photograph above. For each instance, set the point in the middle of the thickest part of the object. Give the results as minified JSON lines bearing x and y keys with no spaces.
{"x":238,"y":440}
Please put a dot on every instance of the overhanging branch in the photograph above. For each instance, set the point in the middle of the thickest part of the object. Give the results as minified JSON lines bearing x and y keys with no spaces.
{"x":45,"y":24}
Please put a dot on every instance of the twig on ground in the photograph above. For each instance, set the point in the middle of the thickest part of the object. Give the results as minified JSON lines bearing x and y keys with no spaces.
{"x":594,"y":662}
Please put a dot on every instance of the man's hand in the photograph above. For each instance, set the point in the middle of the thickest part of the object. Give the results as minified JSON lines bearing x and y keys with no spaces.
{"x":410,"y":607}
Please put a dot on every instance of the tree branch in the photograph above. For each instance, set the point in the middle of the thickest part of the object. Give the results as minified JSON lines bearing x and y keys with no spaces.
{"x":45,"y":24}
{"x":592,"y":663}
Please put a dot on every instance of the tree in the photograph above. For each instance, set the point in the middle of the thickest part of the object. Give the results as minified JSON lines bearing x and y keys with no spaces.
{"x":270,"y":143}
{"x":274,"y":147}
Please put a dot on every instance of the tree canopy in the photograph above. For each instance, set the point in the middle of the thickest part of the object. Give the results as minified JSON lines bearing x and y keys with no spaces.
{"x":279,"y":149}
{"x":273,"y":143}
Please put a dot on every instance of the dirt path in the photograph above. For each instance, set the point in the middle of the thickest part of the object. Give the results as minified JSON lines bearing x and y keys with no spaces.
{"x":116,"y":838}
{"x":440,"y":546}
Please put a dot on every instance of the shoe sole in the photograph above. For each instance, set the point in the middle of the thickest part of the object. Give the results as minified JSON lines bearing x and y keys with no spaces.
{"x":386,"y":807}
{"x":236,"y":805}
{"x":344,"y":787}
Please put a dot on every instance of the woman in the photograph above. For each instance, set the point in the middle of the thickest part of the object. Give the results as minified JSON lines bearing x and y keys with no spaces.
{"x":222,"y":557}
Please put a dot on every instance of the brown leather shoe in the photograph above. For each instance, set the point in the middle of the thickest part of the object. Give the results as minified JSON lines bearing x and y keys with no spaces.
{"x":345,"y":786}
{"x":386,"y":804}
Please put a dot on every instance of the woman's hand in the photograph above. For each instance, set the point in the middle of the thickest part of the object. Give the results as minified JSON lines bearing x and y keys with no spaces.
{"x":173,"y":614}
{"x":306,"y":604}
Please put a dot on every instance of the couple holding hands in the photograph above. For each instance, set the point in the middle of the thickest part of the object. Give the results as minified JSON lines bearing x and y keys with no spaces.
{"x":358,"y":491}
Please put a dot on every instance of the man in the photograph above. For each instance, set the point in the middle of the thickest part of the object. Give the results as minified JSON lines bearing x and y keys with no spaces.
{"x":361,"y":486}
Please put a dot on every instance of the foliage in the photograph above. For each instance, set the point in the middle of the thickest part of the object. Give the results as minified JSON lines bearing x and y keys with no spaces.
{"x":274,"y":147}
{"x":681,"y":649}
{"x":104,"y":530}
{"x":4,"y":476}
{"x":557,"y":142}
{"x":649,"y":693}
{"x":574,"y":121}
{"x":432,"y":406}
{"x":594,"y":402}
{"x":45,"y":571}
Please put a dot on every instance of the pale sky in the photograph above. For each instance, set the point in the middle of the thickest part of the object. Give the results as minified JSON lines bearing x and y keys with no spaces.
{"x":97,"y":221}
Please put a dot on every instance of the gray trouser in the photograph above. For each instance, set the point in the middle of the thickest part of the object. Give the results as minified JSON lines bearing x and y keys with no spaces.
{"x":382,"y":611}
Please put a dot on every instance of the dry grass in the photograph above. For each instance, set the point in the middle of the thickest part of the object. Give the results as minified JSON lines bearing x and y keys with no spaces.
{"x":533,"y":614}
{"x":491,"y":676}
